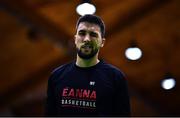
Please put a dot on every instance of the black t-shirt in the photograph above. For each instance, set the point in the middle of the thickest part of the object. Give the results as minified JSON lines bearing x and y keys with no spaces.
{"x":100,"y":90}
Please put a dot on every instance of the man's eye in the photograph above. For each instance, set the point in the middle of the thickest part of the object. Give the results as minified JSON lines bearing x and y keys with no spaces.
{"x":82,"y":33}
{"x":92,"y":34}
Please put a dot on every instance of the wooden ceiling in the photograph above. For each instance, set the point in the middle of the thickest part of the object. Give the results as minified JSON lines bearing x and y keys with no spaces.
{"x":37,"y":35}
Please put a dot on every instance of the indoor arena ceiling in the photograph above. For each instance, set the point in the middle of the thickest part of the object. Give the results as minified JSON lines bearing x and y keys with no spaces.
{"x":37,"y":35}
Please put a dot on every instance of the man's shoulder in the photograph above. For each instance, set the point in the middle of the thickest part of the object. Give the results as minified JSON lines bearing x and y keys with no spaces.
{"x":113,"y":69}
{"x":60,"y":71}
{"x":110,"y":67}
{"x":62,"y":68}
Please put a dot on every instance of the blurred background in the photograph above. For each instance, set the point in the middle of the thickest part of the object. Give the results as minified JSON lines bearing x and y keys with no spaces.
{"x":36,"y":36}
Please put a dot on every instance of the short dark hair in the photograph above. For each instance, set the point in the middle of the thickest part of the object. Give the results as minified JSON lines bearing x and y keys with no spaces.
{"x":93,"y":19}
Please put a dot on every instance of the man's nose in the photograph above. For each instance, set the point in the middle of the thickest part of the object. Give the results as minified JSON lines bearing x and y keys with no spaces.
{"x":86,"y":38}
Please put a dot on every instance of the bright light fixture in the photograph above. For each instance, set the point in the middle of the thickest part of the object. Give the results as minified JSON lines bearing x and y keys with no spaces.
{"x":168,"y":83}
{"x":85,"y":8}
{"x":133,"y":53}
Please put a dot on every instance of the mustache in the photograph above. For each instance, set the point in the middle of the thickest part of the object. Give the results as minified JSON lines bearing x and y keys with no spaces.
{"x":87,"y":44}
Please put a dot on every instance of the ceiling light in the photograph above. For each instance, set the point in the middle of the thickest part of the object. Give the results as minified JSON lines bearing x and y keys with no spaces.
{"x":85,"y":8}
{"x":133,"y":52}
{"x":168,"y":83}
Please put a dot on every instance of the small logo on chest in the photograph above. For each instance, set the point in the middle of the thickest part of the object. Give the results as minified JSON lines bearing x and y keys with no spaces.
{"x":92,"y":83}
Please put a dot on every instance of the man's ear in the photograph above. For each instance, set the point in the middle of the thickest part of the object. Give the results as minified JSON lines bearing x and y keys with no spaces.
{"x":103,"y":42}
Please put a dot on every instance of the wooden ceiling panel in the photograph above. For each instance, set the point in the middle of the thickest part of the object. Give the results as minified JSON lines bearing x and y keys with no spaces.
{"x":153,"y":34}
{"x":26,"y":63}
{"x":23,"y":56}
{"x":61,"y":12}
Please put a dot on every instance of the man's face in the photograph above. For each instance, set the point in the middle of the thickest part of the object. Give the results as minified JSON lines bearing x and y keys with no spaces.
{"x":88,"y":40}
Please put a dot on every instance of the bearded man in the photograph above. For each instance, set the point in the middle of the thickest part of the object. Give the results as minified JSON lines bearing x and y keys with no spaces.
{"x":88,"y":86}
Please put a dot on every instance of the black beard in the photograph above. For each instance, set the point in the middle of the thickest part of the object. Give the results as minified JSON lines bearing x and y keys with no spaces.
{"x":87,"y":56}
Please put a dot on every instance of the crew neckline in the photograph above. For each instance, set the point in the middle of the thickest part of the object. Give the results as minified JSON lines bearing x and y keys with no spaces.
{"x":87,"y":68}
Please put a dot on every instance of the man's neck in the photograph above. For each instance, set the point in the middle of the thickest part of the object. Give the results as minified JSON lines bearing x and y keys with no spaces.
{"x":87,"y":62}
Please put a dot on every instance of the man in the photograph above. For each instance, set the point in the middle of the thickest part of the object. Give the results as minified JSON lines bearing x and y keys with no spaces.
{"x":88,"y":86}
